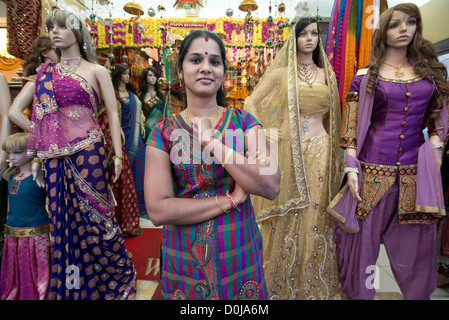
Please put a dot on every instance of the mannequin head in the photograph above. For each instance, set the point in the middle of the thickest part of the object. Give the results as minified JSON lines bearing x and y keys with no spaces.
{"x":148,"y":77}
{"x":121,"y":73}
{"x":41,"y":51}
{"x":308,"y":28}
{"x":15,"y":146}
{"x":419,"y":50}
{"x":61,"y":21}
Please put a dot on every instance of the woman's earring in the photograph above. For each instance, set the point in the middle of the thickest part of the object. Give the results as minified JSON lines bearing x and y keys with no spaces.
{"x":54,"y":49}
{"x":85,"y":47}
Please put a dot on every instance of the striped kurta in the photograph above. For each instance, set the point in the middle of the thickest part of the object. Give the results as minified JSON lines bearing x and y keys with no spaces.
{"x":220,"y":258}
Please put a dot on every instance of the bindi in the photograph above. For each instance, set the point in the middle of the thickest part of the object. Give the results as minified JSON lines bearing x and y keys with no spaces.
{"x":206,"y":38}
{"x":205,"y":53}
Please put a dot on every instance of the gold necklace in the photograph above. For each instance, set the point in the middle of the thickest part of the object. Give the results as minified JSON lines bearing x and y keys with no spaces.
{"x":308,"y":75}
{"x":214,"y":117}
{"x":399,"y":73}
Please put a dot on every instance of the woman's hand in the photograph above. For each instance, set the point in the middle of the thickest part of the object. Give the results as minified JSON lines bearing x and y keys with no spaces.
{"x":239,"y":195}
{"x":202,"y":128}
{"x":353,"y":183}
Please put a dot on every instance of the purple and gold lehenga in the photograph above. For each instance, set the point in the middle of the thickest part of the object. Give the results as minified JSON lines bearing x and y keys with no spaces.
{"x":89,"y":257}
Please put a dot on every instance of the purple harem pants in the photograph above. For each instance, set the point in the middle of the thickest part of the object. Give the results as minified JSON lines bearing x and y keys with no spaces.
{"x":411,"y":249}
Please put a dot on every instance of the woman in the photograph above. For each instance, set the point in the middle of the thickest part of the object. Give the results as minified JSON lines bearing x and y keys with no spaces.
{"x":89,"y":257}
{"x":297,"y":102}
{"x":131,"y":122}
{"x":393,"y":191}
{"x":155,"y":104}
{"x":211,"y":247}
{"x":41,"y":51}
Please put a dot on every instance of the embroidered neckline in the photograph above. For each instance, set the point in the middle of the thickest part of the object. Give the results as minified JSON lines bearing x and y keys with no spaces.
{"x":401,"y":81}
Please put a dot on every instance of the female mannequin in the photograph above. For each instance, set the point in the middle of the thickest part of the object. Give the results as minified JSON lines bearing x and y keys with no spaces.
{"x":155,"y":104}
{"x":25,"y":272}
{"x":132,"y":126}
{"x":65,"y":134}
{"x":393,"y":191}
{"x":299,"y":254}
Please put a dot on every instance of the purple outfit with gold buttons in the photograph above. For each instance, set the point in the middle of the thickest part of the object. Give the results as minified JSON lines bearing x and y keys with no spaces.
{"x":389,"y":153}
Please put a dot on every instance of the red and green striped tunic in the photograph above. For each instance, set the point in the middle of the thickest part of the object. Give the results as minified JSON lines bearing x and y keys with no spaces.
{"x":220,"y":258}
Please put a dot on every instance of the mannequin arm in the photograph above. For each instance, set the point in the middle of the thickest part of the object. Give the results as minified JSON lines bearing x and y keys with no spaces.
{"x":107,"y":92}
{"x":23,"y":100}
{"x":5,"y":129}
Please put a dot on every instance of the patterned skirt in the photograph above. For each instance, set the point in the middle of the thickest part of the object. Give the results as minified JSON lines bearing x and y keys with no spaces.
{"x":25,"y":272}
{"x":89,"y":260}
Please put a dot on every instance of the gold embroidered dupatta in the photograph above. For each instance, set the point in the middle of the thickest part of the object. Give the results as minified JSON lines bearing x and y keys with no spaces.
{"x":275,"y":104}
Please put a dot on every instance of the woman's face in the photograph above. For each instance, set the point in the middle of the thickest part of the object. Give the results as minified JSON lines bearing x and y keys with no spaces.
{"x":61,"y":36}
{"x":124,"y":77}
{"x":202,"y":68}
{"x":307,"y":40}
{"x":151,"y":78}
{"x":401,"y":29}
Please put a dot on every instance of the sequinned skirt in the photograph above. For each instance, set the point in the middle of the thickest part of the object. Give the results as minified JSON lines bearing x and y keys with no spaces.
{"x":25,"y":272}
{"x":299,"y":252}
{"x":89,"y":260}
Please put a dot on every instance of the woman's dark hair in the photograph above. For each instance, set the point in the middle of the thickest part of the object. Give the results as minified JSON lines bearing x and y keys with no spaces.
{"x":143,"y":84}
{"x":184,"y":48}
{"x":299,"y":26}
{"x":116,"y":73}
{"x":35,"y":59}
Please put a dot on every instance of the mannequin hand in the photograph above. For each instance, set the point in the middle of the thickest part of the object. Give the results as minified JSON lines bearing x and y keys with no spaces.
{"x":353,"y":183}
{"x":38,"y":177}
{"x":118,"y":165}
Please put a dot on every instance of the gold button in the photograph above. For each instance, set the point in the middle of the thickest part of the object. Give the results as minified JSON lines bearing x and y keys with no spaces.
{"x":398,"y":163}
{"x":401,"y":136}
{"x":406,"y":109}
{"x":408,"y":94}
{"x":403,"y":123}
{"x":400,"y":150}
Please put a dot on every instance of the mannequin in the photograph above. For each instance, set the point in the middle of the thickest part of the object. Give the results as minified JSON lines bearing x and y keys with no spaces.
{"x":5,"y":129}
{"x":132,"y":126}
{"x":25,"y":272}
{"x":155,"y":103}
{"x":64,"y":134}
{"x":296,"y":230}
{"x":392,"y":190}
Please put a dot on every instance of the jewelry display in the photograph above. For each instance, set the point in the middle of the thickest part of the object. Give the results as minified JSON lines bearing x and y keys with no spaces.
{"x":306,"y":73}
{"x":64,"y":66}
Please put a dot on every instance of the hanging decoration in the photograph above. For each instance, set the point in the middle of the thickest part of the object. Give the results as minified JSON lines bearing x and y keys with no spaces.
{"x":151,"y":12}
{"x":248,"y":5}
{"x":229,"y":12}
{"x":152,"y":32}
{"x":133,"y":8}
